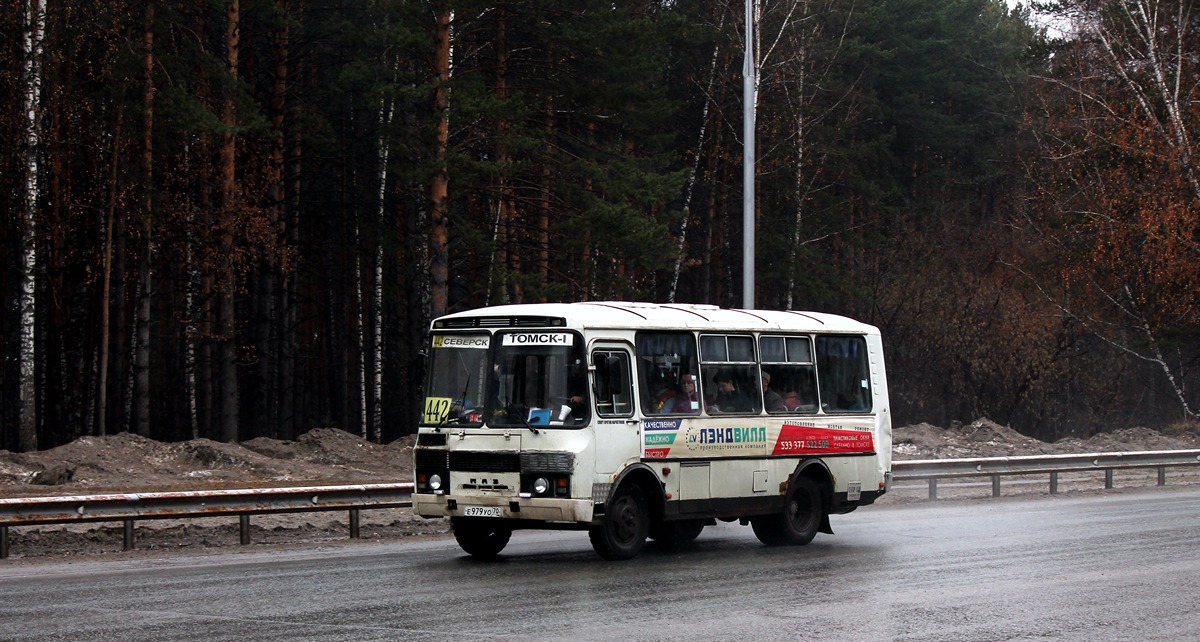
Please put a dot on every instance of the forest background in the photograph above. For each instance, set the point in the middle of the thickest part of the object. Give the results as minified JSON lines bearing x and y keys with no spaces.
{"x":235,"y":218}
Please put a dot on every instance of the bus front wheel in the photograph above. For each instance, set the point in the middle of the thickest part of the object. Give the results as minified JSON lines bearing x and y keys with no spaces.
{"x":480,"y":538}
{"x":626,"y":524}
{"x":800,"y":519}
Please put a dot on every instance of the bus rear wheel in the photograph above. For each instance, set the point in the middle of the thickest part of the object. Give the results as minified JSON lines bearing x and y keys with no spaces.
{"x":626,"y":524}
{"x":800,"y":520}
{"x":481,"y":538}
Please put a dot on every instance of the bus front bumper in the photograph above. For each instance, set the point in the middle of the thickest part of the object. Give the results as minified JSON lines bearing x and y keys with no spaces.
{"x":517,"y":508}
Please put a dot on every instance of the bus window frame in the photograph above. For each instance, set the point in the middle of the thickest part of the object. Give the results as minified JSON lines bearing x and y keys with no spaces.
{"x":578,"y":346}
{"x":621,"y":354}
{"x":748,"y":380}
{"x":689,"y":364}
{"x":776,"y":368}
{"x":865,"y":392}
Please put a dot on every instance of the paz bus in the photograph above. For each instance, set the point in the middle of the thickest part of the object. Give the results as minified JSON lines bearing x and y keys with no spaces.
{"x":639,"y":420}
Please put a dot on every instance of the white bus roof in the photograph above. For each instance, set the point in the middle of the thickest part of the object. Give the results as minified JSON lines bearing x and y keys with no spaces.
{"x":642,"y":316}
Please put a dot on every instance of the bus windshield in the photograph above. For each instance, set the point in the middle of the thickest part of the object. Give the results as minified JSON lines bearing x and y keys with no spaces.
{"x":458,"y":367}
{"x":539,"y":379}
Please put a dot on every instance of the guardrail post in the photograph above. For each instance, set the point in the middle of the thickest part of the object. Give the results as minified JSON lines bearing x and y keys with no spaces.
{"x":127,"y":535}
{"x":995,"y":485}
{"x":933,"y":488}
{"x":244,"y":529}
{"x":3,"y":542}
{"x":1053,"y":483}
{"x":354,"y":524}
{"x":1108,"y":478}
{"x":1162,"y":475}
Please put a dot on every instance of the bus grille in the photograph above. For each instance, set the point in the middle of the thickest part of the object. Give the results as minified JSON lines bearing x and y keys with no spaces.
{"x":488,"y":462}
{"x":424,"y":458}
{"x":499,"y":322}
{"x":431,"y":439}
{"x":466,"y":460}
{"x":554,"y":462}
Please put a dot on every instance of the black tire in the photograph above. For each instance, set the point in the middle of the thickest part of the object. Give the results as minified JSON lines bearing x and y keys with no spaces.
{"x":800,"y":520}
{"x":482,"y":538}
{"x":626,"y":524}
{"x":677,"y":533}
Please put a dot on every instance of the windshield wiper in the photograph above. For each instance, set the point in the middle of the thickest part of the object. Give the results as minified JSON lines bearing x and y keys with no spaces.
{"x":511,"y":410}
{"x":462,"y":405}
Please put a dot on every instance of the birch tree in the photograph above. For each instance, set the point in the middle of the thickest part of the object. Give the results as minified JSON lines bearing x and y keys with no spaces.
{"x":702,"y":139}
{"x":35,"y":25}
{"x":1121,"y":209}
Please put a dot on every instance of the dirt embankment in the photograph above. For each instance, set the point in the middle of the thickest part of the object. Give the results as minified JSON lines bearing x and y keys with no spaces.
{"x":986,"y":438}
{"x":127,"y":462}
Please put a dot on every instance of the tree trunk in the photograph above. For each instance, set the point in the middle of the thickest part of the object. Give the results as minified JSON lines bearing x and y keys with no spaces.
{"x":504,"y":227}
{"x":141,"y":367}
{"x":227,"y":330}
{"x":387,"y":110}
{"x":268,"y":315}
{"x":543,"y":223}
{"x":439,"y":189}
{"x":289,"y":297}
{"x":101,"y":427}
{"x":35,"y":25}
{"x":360,"y":341}
{"x":199,"y":344}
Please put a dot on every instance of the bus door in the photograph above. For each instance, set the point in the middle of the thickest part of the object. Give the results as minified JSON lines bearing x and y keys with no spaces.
{"x":618,"y":430}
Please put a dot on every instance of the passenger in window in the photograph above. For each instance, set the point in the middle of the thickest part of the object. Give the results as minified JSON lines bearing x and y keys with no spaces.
{"x":576,"y":401}
{"x":728,"y":397}
{"x":791,"y":400}
{"x":772,"y":400}
{"x":804,"y":398}
{"x":664,"y":397}
{"x":688,"y":400}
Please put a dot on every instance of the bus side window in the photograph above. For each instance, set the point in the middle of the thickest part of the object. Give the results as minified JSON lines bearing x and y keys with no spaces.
{"x":614,"y":395}
{"x":788,"y":359}
{"x":731,"y":374}
{"x":843,"y":373}
{"x":667,"y":374}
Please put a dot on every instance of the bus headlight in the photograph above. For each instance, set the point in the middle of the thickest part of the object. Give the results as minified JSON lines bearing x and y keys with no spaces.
{"x":435,"y":482}
{"x":541,"y":485}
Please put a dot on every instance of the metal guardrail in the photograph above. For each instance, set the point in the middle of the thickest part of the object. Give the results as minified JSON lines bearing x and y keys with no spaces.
{"x":130,"y":507}
{"x":1053,"y":465}
{"x":243,"y":502}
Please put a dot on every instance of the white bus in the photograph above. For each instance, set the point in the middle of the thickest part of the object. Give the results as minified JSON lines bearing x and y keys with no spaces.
{"x":641,"y":420}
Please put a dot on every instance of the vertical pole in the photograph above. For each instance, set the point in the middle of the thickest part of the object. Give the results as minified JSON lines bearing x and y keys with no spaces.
{"x":1162,"y":475}
{"x":127,"y":542}
{"x":749,"y":73}
{"x":354,"y":524}
{"x":244,"y":529}
{"x":1053,"y":483}
{"x":933,"y":488}
{"x":1108,"y":478}
{"x":995,"y":485}
{"x":3,"y":542}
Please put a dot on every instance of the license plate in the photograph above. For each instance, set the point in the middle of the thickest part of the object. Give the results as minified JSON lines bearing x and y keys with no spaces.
{"x":481,"y":511}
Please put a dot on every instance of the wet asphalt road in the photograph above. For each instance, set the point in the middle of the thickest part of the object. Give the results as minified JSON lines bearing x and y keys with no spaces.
{"x":1121,"y":565}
